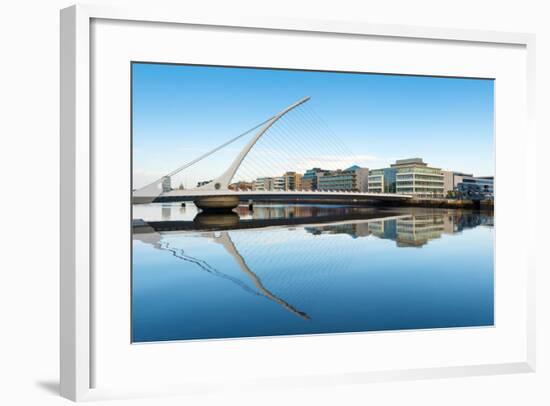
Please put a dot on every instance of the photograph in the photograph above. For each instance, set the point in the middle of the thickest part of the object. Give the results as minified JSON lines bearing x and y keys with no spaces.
{"x":293,"y":203}
{"x":281,"y":202}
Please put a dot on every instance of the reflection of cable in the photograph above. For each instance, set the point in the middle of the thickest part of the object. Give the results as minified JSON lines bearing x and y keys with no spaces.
{"x":258,"y":282}
{"x":301,"y":286}
{"x":207,"y":267}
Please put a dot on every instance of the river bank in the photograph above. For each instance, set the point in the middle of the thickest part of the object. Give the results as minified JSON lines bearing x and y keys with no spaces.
{"x":357,"y":201}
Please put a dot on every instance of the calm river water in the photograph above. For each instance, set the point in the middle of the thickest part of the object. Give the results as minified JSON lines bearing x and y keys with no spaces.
{"x":297,"y":269}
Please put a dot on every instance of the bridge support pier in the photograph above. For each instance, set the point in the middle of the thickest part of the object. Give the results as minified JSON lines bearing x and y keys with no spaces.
{"x":216,"y":204}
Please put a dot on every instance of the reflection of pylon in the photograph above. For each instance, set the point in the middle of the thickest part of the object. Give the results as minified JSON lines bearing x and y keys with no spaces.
{"x":180,"y":253}
{"x":226,"y":241}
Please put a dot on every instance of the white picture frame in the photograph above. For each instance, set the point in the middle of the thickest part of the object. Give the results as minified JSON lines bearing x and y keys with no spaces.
{"x":77,"y":188}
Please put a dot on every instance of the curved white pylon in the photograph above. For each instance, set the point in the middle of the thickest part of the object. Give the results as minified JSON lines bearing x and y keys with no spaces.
{"x":222,"y":182}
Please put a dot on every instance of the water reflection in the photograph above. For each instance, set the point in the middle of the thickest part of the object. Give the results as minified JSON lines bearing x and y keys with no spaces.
{"x":414,"y":230}
{"x":221,"y":220}
{"x":237,"y":276}
{"x":177,"y":212}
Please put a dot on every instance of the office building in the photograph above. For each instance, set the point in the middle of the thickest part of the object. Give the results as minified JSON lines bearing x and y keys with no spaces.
{"x":415,"y":177}
{"x":310,"y":178}
{"x":451,"y":179}
{"x":279,"y":183}
{"x":353,"y":179}
{"x":382,"y":180}
{"x":468,"y":186}
{"x":476,"y":187}
{"x":263,"y":184}
{"x":293,"y":181}
{"x":407,"y":176}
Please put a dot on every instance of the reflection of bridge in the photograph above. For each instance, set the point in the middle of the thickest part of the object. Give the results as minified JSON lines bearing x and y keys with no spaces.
{"x":216,"y":194}
{"x":223,"y":238}
{"x":263,"y":274}
{"x":253,"y":283}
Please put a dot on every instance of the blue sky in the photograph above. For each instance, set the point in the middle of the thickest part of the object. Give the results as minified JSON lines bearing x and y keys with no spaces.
{"x":182,"y":111}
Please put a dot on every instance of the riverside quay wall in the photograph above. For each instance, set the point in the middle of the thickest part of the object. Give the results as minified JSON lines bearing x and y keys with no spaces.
{"x":346,"y":200}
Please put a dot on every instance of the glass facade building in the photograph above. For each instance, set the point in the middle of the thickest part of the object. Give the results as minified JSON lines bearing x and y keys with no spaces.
{"x":353,"y":179}
{"x":382,"y":180}
{"x":476,"y":187}
{"x":310,"y":178}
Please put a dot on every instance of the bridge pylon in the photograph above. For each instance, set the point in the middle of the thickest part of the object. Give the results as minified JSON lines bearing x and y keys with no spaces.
{"x":221,"y":183}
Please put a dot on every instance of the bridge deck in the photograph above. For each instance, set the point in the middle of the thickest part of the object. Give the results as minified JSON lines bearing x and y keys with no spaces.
{"x":293,"y":193}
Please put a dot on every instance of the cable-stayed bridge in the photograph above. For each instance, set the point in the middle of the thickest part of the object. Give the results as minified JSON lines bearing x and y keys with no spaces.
{"x":293,"y":139}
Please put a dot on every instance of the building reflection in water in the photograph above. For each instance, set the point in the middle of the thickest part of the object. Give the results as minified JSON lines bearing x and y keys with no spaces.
{"x":277,"y":211}
{"x":414,"y":230}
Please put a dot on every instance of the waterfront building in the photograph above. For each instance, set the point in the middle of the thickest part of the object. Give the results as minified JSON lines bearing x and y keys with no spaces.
{"x":408,"y":176}
{"x":166,"y":184}
{"x":310,"y":178}
{"x":414,"y":176}
{"x":262,"y":184}
{"x":476,"y":187}
{"x":451,"y":179}
{"x":382,"y":180}
{"x":279,"y":183}
{"x":353,"y":179}
{"x":468,"y":186}
{"x":293,"y":181}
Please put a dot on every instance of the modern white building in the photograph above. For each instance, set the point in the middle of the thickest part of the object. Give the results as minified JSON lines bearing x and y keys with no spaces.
{"x":408,"y":176}
{"x":414,"y":176}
